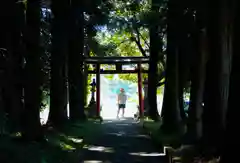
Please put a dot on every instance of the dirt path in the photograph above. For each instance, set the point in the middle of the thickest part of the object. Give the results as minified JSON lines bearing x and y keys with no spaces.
{"x":121,"y":142}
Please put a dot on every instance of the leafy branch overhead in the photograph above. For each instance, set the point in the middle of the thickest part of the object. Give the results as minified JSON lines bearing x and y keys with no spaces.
{"x":117,"y":28}
{"x":127,"y":30}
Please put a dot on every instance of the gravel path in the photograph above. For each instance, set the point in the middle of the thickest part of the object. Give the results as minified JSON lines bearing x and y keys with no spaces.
{"x":121,"y":142}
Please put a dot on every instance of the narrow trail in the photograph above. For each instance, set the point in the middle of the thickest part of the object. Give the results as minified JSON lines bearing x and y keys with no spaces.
{"x":121,"y":142}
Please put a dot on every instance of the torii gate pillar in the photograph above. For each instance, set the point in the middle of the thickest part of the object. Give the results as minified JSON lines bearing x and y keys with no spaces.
{"x":98,"y":89}
{"x":141,"y":102}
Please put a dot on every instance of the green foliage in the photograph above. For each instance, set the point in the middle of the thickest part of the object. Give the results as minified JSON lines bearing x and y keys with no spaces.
{"x":132,"y":77}
{"x":160,"y":90}
{"x":45,"y":100}
{"x":108,"y":67}
{"x":122,"y":45}
{"x":124,"y":29}
{"x":119,"y":43}
{"x":129,"y":77}
{"x":89,"y":81}
{"x":109,"y":76}
{"x":127,"y":34}
{"x":112,"y":28}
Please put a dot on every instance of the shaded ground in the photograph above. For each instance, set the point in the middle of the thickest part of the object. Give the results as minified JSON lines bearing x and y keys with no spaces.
{"x":114,"y":141}
{"x":121,"y":141}
{"x":60,"y":146}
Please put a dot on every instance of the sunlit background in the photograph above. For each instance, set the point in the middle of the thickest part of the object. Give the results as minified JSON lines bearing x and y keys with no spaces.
{"x":109,"y":89}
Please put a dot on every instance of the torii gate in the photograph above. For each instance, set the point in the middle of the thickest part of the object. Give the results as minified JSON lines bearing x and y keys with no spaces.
{"x":118,"y":62}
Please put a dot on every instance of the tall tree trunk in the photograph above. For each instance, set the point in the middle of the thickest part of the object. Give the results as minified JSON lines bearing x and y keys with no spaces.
{"x":184,"y":56}
{"x":155,"y":49}
{"x":65,"y":93}
{"x":170,"y":111}
{"x":32,"y":93}
{"x":194,"y":130}
{"x":57,"y":114}
{"x":12,"y":88}
{"x":75,"y":69}
{"x":230,"y":55}
{"x":15,"y":65}
{"x":226,"y":32}
{"x":216,"y":83}
{"x":5,"y":31}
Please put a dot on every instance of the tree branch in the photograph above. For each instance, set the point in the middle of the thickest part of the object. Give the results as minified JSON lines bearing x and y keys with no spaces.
{"x":139,"y":34}
{"x":162,"y":75}
{"x":139,"y":46}
{"x":160,"y":84}
{"x":137,"y":40}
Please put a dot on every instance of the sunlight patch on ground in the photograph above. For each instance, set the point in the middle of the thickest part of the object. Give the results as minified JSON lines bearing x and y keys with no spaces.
{"x":18,"y":134}
{"x":66,"y":146}
{"x":96,"y":161}
{"x":115,"y":119}
{"x":141,"y":136}
{"x":62,"y":144}
{"x":93,"y":161}
{"x":129,"y":135}
{"x":99,"y":149}
{"x":116,"y":134}
{"x":122,"y":124}
{"x":75,"y":140}
{"x":145,"y":154}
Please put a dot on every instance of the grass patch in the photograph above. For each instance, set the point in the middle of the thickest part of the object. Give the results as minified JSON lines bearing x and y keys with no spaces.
{"x":153,"y":128}
{"x":60,"y":147}
{"x":148,"y":119}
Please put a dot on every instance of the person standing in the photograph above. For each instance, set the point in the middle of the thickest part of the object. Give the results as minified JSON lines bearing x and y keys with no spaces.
{"x":121,"y":101}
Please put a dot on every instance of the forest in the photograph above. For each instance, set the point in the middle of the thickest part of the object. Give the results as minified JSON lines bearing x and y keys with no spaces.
{"x":191,"y":45}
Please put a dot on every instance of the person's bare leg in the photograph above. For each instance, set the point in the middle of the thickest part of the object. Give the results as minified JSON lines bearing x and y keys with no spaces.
{"x":123,"y":112}
{"x":118,"y":112}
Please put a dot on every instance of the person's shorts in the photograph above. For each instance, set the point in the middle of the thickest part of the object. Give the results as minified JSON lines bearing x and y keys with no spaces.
{"x":121,"y":106}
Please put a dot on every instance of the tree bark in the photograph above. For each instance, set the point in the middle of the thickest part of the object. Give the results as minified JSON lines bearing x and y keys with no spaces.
{"x":32,"y":93}
{"x":12,"y":88}
{"x":172,"y":121}
{"x":57,"y":113}
{"x":184,"y":51}
{"x":194,"y":125}
{"x":75,"y":69}
{"x":216,"y":83}
{"x":155,"y":49}
{"x":230,"y":54}
{"x":16,"y":65}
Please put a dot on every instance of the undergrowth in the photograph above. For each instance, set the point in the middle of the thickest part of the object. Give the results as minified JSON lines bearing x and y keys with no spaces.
{"x":59,"y":147}
{"x":180,"y":154}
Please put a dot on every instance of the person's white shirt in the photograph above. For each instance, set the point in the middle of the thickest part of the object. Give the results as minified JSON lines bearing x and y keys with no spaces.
{"x":122,"y":98}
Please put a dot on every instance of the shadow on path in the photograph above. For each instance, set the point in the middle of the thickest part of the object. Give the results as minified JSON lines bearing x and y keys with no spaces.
{"x":122,"y":142}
